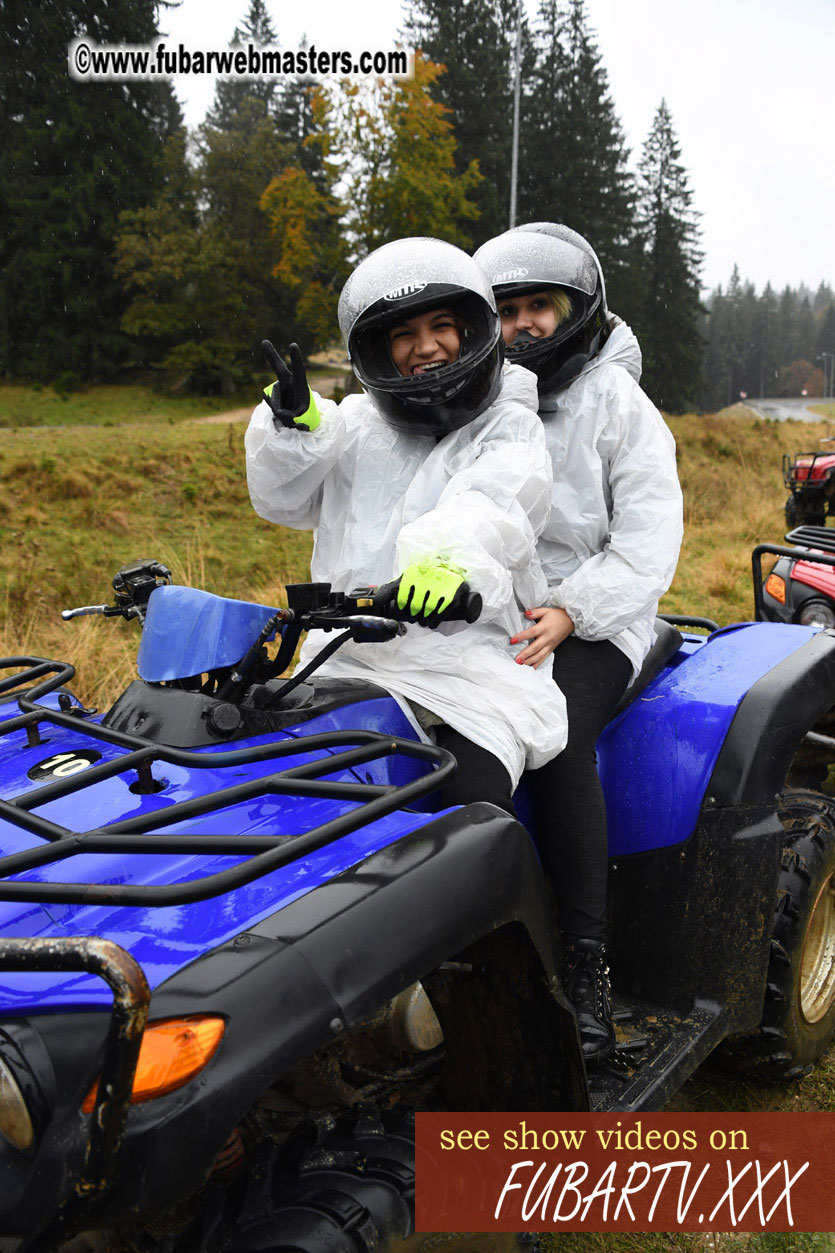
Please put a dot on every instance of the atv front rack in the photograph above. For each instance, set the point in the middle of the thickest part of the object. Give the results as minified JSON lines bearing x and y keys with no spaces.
{"x":798,"y":471}
{"x":781,"y":550}
{"x":129,"y":1014}
{"x":821,"y":538}
{"x":262,"y":854}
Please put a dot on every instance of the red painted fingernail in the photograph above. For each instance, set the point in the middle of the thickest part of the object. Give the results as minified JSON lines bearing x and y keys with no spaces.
{"x":513,"y":639}
{"x":528,"y":613}
{"x":519,"y":661}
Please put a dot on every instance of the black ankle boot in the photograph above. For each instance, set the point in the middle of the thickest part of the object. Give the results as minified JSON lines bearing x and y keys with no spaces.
{"x":587,"y":986}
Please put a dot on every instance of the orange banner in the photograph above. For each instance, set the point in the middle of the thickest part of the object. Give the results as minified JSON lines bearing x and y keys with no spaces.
{"x":625,"y":1172}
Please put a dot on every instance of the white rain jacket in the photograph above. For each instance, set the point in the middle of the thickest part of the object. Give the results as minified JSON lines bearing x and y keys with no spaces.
{"x":610,"y":547}
{"x":378,"y":500}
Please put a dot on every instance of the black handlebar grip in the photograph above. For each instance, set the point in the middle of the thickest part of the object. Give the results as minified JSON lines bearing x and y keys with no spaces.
{"x":465,"y":606}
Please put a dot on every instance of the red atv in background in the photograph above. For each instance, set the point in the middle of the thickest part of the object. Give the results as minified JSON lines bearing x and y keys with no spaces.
{"x":810,"y":477}
{"x":801,"y":585}
{"x":801,"y":590}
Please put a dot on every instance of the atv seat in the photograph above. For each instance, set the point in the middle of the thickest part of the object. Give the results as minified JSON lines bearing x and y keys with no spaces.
{"x":668,"y":641}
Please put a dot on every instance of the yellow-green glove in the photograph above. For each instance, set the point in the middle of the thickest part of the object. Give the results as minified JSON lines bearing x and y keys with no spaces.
{"x":290,"y":397}
{"x":428,"y":587}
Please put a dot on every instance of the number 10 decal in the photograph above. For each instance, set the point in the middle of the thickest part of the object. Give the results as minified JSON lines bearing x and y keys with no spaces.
{"x":63,"y":765}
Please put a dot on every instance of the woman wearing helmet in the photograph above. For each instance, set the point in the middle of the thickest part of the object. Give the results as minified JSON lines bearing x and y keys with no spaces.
{"x":609,"y":551}
{"x":437,"y":473}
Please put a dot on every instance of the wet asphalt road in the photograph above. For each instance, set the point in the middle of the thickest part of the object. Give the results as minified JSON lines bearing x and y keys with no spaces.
{"x":783,"y":410}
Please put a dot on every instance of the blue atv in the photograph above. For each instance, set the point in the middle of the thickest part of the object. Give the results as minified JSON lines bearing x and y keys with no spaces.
{"x":242,"y":941}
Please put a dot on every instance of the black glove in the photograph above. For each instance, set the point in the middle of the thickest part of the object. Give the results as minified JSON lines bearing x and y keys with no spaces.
{"x":290,"y":397}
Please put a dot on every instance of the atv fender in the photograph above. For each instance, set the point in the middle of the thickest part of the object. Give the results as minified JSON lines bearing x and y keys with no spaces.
{"x":706,"y":938}
{"x":770,"y":724}
{"x":467,"y":887}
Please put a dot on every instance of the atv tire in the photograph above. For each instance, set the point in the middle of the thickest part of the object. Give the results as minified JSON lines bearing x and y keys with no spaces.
{"x":791,"y":513}
{"x":352,"y":1191}
{"x":798,"y":1022}
{"x":801,"y":513}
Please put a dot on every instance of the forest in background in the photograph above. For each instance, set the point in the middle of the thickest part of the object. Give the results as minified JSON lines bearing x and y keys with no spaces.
{"x":133,"y":249}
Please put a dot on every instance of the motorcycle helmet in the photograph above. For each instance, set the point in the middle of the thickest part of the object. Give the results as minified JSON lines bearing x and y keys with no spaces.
{"x":532,"y":258}
{"x":557,"y":231}
{"x":397,"y":282}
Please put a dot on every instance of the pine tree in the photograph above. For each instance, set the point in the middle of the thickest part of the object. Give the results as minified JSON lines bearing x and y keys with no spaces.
{"x":230,"y":94}
{"x":667,"y":230}
{"x":787,"y":328}
{"x":299,"y":125}
{"x":765,"y":333}
{"x":240,"y":151}
{"x":826,"y":330}
{"x":475,"y":41}
{"x":573,"y":158}
{"x":805,"y":330}
{"x":824,"y":296}
{"x":742,"y":345}
{"x":825,"y":354}
{"x":75,"y":155}
{"x":718,"y":351}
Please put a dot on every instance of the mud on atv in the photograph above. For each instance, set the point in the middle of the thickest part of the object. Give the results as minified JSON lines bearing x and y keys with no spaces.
{"x":243,"y":941}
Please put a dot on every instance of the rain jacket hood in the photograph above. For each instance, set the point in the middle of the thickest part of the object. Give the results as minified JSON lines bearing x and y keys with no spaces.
{"x":610,"y":546}
{"x":379,"y":499}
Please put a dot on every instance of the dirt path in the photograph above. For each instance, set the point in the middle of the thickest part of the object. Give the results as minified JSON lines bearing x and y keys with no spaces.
{"x":324,"y":385}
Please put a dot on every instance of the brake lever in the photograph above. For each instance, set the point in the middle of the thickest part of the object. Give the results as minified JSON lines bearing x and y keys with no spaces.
{"x":108,"y":611}
{"x":364,"y":628}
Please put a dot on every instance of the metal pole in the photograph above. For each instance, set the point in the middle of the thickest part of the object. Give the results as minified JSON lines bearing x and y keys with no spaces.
{"x":517,"y":87}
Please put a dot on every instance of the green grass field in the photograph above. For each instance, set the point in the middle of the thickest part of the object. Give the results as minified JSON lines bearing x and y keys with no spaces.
{"x":76,"y":502}
{"x":103,"y":405}
{"x":109,"y":404}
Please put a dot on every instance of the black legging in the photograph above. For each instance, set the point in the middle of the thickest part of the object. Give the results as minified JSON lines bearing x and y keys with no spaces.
{"x":480,"y":775}
{"x":568,"y":798}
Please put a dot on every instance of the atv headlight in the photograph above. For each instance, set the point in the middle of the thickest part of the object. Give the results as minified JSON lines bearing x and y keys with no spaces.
{"x":15,"y":1122}
{"x":817,"y":613}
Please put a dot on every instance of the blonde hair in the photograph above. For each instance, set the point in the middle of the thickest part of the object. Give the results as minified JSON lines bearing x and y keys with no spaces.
{"x":561,"y":301}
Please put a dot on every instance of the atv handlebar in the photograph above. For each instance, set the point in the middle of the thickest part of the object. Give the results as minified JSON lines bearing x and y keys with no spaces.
{"x":365,"y":615}
{"x":133,"y":585}
{"x":465,"y":606}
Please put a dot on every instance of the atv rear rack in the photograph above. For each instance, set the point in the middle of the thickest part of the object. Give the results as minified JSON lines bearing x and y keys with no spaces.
{"x":262,"y":853}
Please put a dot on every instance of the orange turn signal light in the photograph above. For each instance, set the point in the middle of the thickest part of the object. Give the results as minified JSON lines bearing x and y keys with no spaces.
{"x":776,"y":587}
{"x":172,"y":1052}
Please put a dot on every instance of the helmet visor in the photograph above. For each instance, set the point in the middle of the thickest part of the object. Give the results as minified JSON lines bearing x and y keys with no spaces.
{"x":370,"y":345}
{"x":528,"y":349}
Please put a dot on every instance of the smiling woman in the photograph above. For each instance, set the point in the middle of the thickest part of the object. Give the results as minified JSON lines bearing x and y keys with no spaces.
{"x":425,"y":342}
{"x":534,"y":315}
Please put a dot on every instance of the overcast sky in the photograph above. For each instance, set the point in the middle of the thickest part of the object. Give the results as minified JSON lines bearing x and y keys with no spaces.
{"x":750,"y":85}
